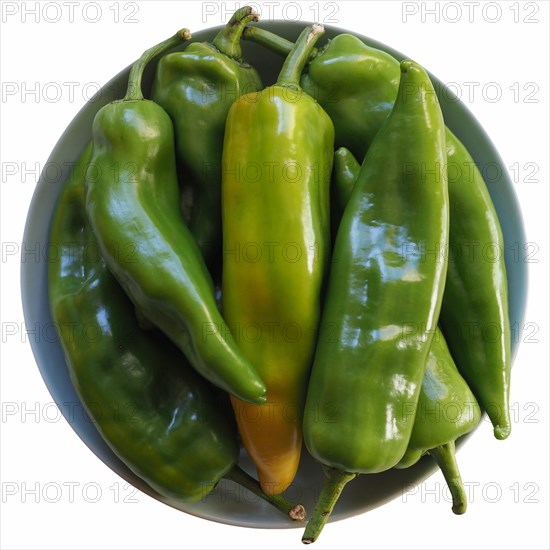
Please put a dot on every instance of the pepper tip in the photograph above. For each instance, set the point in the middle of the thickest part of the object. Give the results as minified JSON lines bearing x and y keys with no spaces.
{"x":260,"y":397}
{"x":502,"y":432}
{"x":459,"y":508}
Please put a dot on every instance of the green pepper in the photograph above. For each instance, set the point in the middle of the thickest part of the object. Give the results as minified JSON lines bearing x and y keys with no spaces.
{"x":447,"y":410}
{"x":277,"y":161}
{"x":196,"y":87}
{"x":357,"y":85}
{"x":157,"y":415}
{"x":132,"y":201}
{"x":383,"y":297}
{"x":344,"y":173}
{"x":474,"y":314}
{"x":354,"y":83}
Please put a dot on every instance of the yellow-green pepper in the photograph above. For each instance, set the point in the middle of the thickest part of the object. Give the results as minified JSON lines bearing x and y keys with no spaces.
{"x":158,"y":416}
{"x":277,"y":161}
{"x":357,"y":85}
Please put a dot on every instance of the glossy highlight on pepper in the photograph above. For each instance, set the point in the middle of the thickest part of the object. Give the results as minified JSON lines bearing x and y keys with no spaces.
{"x":284,"y":203}
{"x":132,"y":202}
{"x":197,"y":87}
{"x":157,"y":415}
{"x":447,"y":410}
{"x":359,"y":99}
{"x":382,"y":302}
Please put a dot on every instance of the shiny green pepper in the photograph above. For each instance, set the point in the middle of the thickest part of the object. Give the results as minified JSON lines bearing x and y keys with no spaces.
{"x":447,"y":410}
{"x":132,"y":201}
{"x":344,"y":173}
{"x":474,"y":313}
{"x":196,"y":87}
{"x":383,"y":297}
{"x":338,"y":78}
{"x":357,"y":85}
{"x":156,"y":414}
{"x":277,"y":162}
{"x":354,"y":83}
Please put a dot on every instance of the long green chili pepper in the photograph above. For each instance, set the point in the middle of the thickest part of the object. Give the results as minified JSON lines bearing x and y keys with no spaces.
{"x":132,"y":201}
{"x":344,"y":173}
{"x":282,"y":210}
{"x":357,"y":85}
{"x":156,"y":414}
{"x":197,"y":87}
{"x":474,"y":313}
{"x":447,"y":408}
{"x":383,"y":297}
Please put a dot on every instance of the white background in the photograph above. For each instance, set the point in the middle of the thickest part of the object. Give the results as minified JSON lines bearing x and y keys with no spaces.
{"x":482,"y":47}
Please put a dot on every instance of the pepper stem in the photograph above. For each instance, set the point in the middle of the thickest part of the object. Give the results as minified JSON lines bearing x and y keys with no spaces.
{"x":330,"y":493}
{"x":270,"y":40}
{"x":295,"y":512}
{"x":133,"y":91}
{"x":297,"y":58}
{"x":445,"y":456}
{"x":228,"y":40}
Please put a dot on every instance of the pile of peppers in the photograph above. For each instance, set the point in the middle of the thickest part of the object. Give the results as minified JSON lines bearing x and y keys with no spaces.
{"x":256,"y":261}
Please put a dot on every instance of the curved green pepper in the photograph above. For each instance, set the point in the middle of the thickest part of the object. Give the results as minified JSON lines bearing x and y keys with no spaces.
{"x":383,"y":298}
{"x":344,"y":173}
{"x":277,"y":162}
{"x":474,"y":314}
{"x":132,"y":201}
{"x":156,"y":414}
{"x":447,"y":410}
{"x":196,"y":87}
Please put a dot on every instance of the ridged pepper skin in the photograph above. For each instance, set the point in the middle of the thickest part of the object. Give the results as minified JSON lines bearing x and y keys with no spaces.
{"x":196,"y":87}
{"x":156,"y":414}
{"x":475,"y":316}
{"x":277,"y":163}
{"x":383,"y":297}
{"x":132,"y":201}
